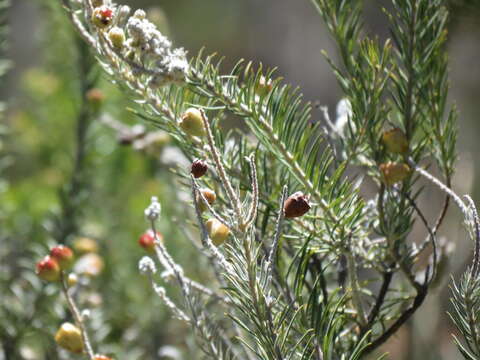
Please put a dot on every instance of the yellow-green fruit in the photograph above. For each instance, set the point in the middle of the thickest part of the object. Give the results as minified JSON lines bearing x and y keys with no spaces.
{"x":394,"y":172}
{"x":217,"y":231}
{"x":117,"y":37}
{"x":192,"y":122}
{"x":395,"y":141}
{"x":209,"y":195}
{"x":264,"y":86}
{"x":84,"y":245}
{"x":69,"y":337}
{"x":72,"y":279}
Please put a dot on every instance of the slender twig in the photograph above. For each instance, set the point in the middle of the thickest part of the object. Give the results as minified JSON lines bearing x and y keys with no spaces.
{"x":252,"y":214}
{"x":77,"y":317}
{"x":441,"y":186}
{"x":417,"y":302}
{"x":233,"y":197}
{"x":476,"y":235}
{"x":210,"y":208}
{"x":278,"y":230}
{"x":206,"y":241}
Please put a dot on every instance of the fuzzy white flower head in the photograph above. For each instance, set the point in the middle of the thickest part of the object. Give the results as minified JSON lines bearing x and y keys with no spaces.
{"x":152,"y":212}
{"x":344,"y":113}
{"x":146,"y":266}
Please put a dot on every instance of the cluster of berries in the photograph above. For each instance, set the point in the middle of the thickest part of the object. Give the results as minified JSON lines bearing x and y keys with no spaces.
{"x":53,"y":268}
{"x":395,"y":142}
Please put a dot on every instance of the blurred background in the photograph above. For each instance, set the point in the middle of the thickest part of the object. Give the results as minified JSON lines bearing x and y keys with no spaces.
{"x":38,"y":152}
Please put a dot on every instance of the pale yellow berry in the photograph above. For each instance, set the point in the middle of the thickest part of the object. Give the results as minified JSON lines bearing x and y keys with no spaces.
{"x":69,"y":337}
{"x":192,"y":122}
{"x":117,"y":37}
{"x":217,"y":231}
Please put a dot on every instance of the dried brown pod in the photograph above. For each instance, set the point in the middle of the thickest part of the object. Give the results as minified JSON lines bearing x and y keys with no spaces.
{"x":296,"y":205}
{"x":394,"y":172}
{"x":199,"y":168}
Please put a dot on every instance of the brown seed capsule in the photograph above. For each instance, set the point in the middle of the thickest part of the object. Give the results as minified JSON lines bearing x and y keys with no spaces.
{"x":296,"y":205}
{"x":199,"y":168}
{"x":395,"y":141}
{"x":394,"y":172}
{"x":209,"y":195}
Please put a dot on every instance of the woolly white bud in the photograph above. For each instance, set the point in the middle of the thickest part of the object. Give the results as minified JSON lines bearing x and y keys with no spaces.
{"x":152,"y":212}
{"x":146,"y":266}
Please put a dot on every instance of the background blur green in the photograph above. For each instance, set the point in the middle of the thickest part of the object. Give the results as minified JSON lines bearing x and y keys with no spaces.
{"x":36,"y":161}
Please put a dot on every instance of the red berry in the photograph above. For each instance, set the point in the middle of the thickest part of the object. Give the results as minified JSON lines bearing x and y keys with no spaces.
{"x":147,"y":240}
{"x":48,"y":269}
{"x":63,"y":255}
{"x":106,"y":12}
{"x":102,"y":16}
{"x":199,"y":168}
{"x":296,"y":205}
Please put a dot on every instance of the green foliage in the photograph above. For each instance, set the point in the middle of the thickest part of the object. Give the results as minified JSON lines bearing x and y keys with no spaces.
{"x":335,"y":283}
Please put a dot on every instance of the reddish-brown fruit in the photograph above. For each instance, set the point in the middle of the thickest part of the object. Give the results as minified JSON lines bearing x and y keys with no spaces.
{"x":209,"y":195}
{"x":394,"y":172}
{"x":395,"y":141}
{"x":48,"y":269}
{"x":70,"y":338}
{"x":63,"y":255}
{"x":147,"y":241}
{"x":296,"y":205}
{"x":102,"y":16}
{"x":199,"y":168}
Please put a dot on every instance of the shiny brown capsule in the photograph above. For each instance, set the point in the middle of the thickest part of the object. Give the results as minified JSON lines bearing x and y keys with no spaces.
{"x":296,"y":205}
{"x":199,"y":168}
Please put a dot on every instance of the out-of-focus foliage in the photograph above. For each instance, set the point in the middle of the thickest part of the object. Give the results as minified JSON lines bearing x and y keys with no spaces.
{"x":37,"y":166}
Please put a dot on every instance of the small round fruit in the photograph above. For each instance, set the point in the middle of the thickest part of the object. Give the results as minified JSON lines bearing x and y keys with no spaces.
{"x":217,"y":231}
{"x":72,"y":279}
{"x":394,"y":172}
{"x":69,"y":337}
{"x":84,"y":245}
{"x":395,"y":141}
{"x":264,"y":86}
{"x":147,"y":241}
{"x":296,"y":205}
{"x":199,"y":168}
{"x":48,"y":269}
{"x":192,"y":122}
{"x":102,"y":16}
{"x":209,"y":195}
{"x":63,"y":255}
{"x":117,"y":37}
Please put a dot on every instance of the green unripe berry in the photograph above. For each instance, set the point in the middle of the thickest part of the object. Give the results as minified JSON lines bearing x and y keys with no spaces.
{"x":192,"y":122}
